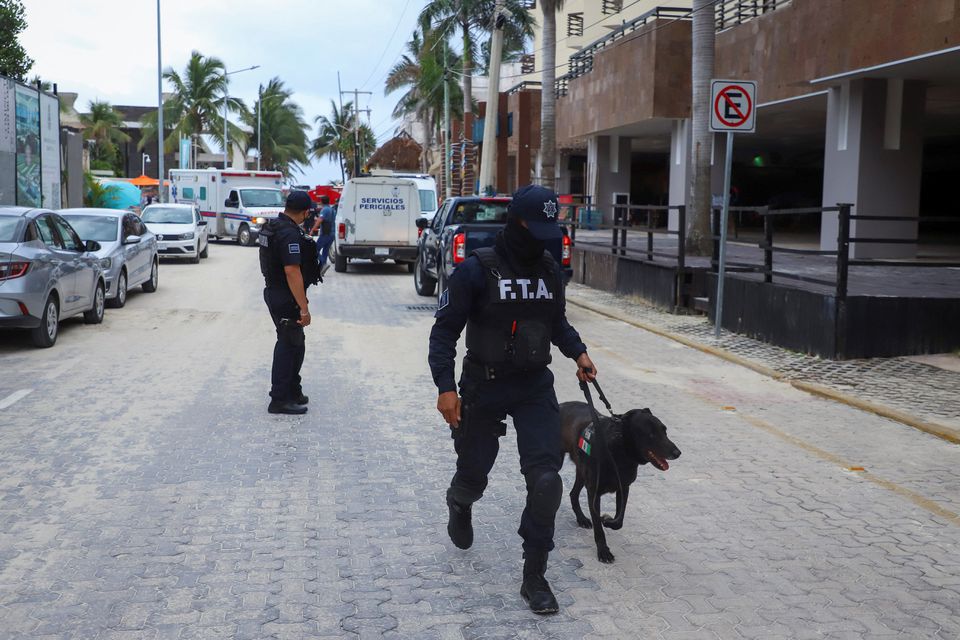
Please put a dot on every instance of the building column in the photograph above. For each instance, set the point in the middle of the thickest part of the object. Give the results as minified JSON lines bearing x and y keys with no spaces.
{"x":608,"y":171}
{"x":679,"y":170}
{"x":874,"y":160}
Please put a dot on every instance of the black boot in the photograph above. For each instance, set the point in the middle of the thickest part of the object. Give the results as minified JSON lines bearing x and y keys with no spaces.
{"x":535,"y":589}
{"x":459,"y":526}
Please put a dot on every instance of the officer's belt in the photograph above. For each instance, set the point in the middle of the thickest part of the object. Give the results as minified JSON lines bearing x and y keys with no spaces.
{"x":479,"y":371}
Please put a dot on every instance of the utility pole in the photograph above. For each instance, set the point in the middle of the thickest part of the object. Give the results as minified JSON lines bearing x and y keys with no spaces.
{"x":343,"y":177}
{"x":446,"y":124}
{"x":356,"y":127}
{"x":489,"y":160}
{"x":160,"y":139}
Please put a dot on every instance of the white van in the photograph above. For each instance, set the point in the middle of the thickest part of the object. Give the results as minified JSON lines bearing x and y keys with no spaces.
{"x":426,"y":188}
{"x":377,"y":220}
{"x":235,"y":202}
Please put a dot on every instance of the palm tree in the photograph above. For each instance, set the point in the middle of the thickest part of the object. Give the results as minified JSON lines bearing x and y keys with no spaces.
{"x":472,"y":18}
{"x":282,"y":135}
{"x":421,"y":72}
{"x":102,"y":125}
{"x":335,"y":138}
{"x":548,"y":99}
{"x":196,"y":107}
{"x":704,"y":38}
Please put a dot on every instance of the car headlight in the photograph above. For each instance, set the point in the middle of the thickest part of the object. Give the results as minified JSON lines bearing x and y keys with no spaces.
{"x":105,"y":263}
{"x":259,"y":221}
{"x":186,"y":236}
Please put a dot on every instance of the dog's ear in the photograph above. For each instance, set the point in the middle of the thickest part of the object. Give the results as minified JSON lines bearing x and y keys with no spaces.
{"x":645,"y":410}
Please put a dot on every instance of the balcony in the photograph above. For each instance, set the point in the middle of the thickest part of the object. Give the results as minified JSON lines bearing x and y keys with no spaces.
{"x":730,"y":13}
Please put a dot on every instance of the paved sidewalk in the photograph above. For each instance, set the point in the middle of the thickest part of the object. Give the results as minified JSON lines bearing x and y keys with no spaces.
{"x":927,"y":393}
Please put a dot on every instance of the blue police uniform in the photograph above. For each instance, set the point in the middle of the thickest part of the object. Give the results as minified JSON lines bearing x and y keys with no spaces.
{"x":282,"y":245}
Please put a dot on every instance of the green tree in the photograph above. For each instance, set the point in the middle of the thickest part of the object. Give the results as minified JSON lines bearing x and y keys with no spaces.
{"x":103,"y":125}
{"x":14,"y":61}
{"x":196,"y":107}
{"x":548,"y":103}
{"x":96,"y":194}
{"x":421,"y":73}
{"x":335,"y":138}
{"x":283,"y":135}
{"x":469,"y":20}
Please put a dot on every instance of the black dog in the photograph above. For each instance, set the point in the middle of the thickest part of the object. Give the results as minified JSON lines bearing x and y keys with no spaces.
{"x":608,"y":459}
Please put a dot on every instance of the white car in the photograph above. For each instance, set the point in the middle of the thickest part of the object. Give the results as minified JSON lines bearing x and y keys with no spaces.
{"x":181,"y":231}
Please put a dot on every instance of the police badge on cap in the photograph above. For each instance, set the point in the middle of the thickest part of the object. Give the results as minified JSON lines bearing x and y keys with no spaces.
{"x":538,"y":207}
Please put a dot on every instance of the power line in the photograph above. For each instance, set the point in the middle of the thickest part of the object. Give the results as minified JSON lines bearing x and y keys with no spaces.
{"x":389,"y":43}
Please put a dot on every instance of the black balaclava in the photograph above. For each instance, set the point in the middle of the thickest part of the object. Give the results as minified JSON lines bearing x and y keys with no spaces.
{"x":518,"y":244}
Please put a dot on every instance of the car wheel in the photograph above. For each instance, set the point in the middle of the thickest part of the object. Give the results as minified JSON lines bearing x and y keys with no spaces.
{"x":121,"y":297}
{"x":95,"y":315}
{"x":196,"y":256}
{"x":45,"y":335}
{"x":206,"y":250}
{"x":340,"y":265}
{"x":244,"y":237}
{"x":151,"y":285}
{"x":423,"y":283}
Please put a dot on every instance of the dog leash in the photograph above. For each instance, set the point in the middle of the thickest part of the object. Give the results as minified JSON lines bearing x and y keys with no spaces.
{"x":601,"y":440}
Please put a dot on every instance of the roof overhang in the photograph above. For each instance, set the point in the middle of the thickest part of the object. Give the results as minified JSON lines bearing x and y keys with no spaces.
{"x":936,"y":67}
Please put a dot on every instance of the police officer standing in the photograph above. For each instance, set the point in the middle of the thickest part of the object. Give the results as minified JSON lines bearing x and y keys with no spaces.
{"x":288,"y":260}
{"x":510,"y":298}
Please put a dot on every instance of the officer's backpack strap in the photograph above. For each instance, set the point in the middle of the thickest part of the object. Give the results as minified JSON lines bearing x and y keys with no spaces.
{"x":488,"y":258}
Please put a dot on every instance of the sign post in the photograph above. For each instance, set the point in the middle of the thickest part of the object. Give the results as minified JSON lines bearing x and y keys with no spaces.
{"x":733,"y":111}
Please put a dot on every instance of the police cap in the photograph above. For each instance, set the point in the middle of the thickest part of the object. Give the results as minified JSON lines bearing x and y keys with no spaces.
{"x":298,"y":201}
{"x":538,"y":207}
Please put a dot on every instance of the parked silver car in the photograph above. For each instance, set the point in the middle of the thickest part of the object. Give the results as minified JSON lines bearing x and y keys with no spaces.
{"x":128,"y":250}
{"x":47,"y":273}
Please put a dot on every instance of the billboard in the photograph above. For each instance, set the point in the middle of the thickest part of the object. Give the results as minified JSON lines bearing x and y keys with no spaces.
{"x":50,"y":151}
{"x":28,"y":146}
{"x":8,"y":143}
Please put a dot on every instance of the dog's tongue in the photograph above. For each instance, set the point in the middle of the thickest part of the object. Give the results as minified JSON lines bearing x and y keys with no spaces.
{"x":658,"y":462}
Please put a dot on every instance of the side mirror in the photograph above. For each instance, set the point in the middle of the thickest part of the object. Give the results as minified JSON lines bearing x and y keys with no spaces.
{"x":422,"y":223}
{"x":92,"y":246}
{"x":131,"y":240}
{"x":202,"y":223}
{"x":231,"y":203}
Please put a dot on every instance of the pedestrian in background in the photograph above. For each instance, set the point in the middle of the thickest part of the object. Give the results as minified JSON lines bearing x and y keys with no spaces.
{"x":288,"y":261}
{"x":510,"y":298}
{"x":325,"y":225}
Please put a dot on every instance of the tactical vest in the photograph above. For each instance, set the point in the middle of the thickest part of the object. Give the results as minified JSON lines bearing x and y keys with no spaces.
{"x":271,"y":266}
{"x":514,"y":327}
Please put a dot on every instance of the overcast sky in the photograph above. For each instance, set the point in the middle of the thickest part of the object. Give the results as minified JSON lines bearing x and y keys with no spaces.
{"x":107,"y":49}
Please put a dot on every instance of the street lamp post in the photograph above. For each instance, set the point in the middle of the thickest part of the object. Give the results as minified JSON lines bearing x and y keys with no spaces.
{"x":144,"y":159}
{"x":226,"y":101}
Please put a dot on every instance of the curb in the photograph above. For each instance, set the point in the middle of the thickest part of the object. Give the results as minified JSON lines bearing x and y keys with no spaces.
{"x":933,"y":428}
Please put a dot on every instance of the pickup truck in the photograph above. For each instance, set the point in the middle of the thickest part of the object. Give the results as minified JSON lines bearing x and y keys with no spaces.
{"x":460,"y":226}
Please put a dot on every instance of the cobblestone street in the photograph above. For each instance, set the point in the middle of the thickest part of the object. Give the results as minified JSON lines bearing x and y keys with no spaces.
{"x":146,"y":493}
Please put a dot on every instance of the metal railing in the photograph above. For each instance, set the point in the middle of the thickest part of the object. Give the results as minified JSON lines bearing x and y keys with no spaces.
{"x":581,"y":62}
{"x":839,"y":283}
{"x":730,"y":13}
{"x":649,"y":221}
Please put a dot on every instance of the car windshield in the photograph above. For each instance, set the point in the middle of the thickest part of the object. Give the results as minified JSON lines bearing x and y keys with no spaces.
{"x":8,"y":228}
{"x":167,"y":215}
{"x":99,"y":228}
{"x":428,"y":201}
{"x":480,"y":212}
{"x":261,"y":198}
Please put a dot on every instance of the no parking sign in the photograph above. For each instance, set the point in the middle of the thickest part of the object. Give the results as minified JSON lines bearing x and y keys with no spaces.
{"x":733,"y":105}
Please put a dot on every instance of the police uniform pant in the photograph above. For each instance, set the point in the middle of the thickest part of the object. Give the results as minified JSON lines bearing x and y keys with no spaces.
{"x":530,"y":400}
{"x":289,"y":351}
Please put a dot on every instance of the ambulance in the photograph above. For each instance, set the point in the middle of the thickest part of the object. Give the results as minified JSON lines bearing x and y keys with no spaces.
{"x":234,"y":202}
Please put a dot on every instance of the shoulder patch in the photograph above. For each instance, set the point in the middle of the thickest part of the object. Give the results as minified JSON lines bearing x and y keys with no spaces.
{"x":294,"y":247}
{"x":444,"y":300}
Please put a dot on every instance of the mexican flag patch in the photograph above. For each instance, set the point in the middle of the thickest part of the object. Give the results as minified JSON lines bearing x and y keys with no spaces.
{"x":585,"y":439}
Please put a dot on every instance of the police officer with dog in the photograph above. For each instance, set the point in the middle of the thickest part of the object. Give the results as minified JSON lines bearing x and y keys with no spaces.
{"x":511,"y":300}
{"x":288,"y":261}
